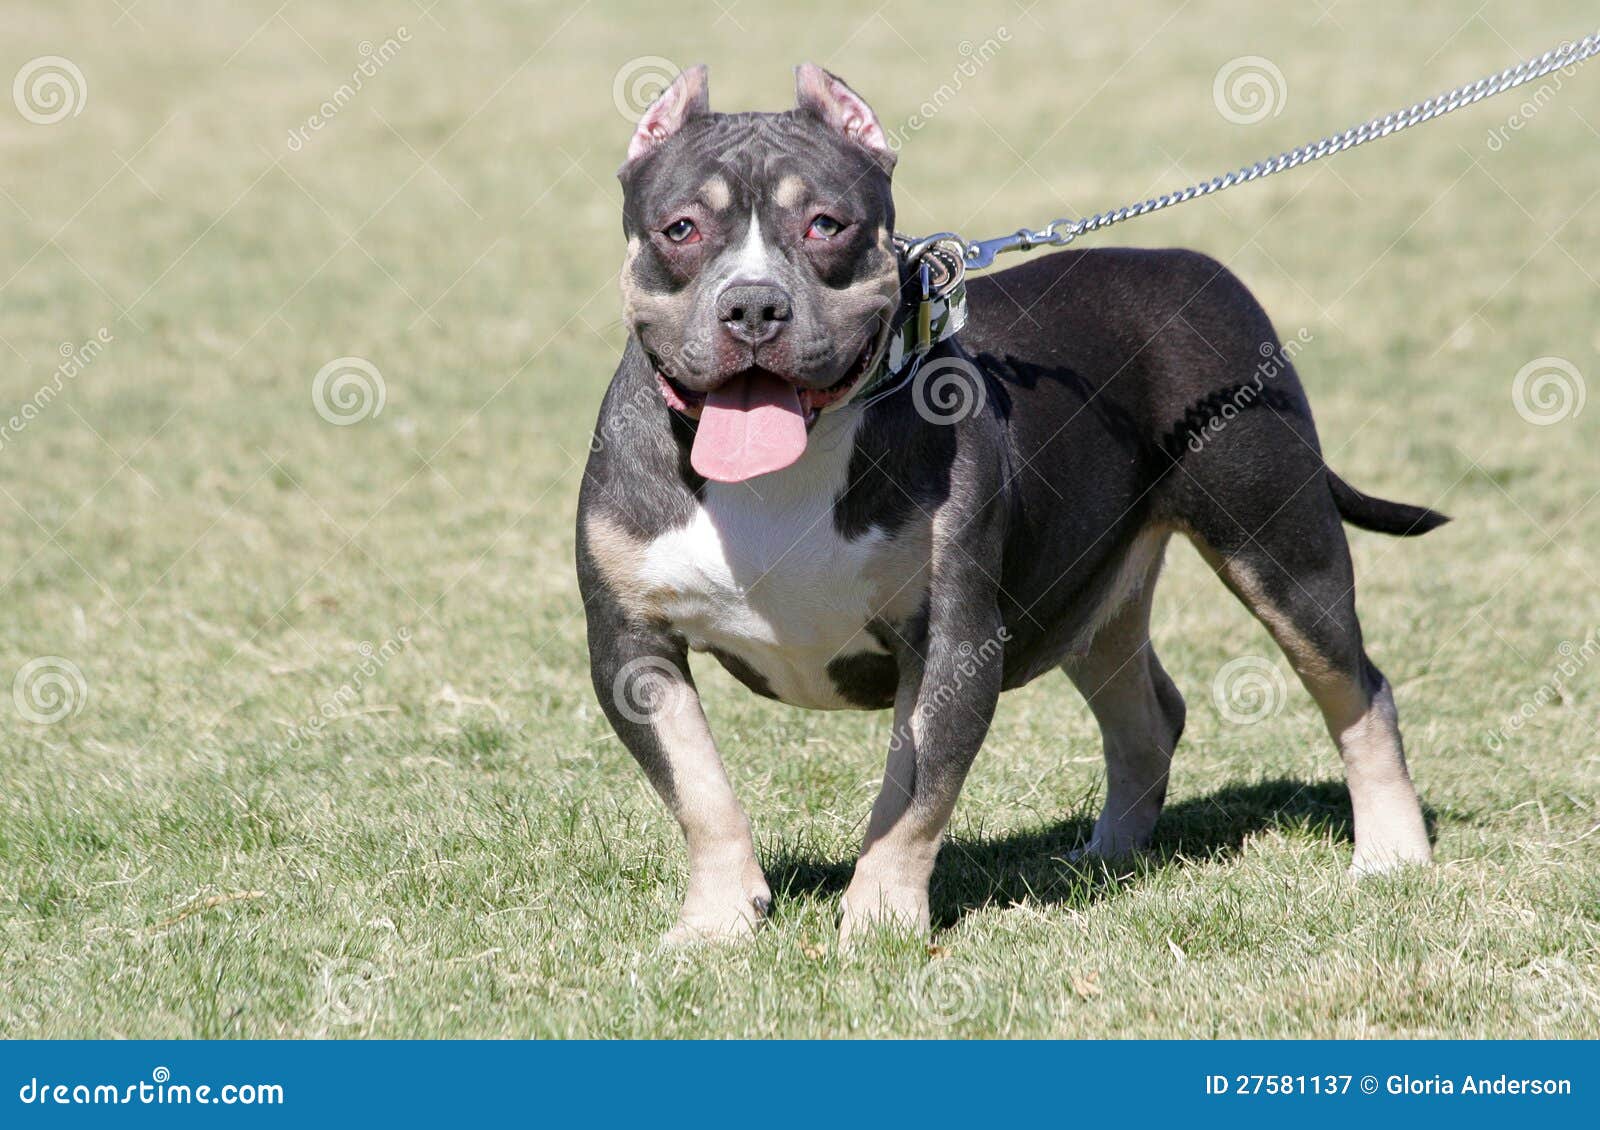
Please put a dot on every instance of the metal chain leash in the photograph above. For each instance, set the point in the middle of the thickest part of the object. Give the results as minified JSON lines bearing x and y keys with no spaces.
{"x":1057,"y":233}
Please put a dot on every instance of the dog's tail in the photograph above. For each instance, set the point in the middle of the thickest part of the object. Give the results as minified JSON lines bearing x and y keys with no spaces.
{"x":1380,"y":515}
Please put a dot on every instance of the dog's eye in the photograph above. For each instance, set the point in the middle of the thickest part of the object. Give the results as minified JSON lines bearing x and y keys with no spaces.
{"x":681,"y":231}
{"x":824,"y":227}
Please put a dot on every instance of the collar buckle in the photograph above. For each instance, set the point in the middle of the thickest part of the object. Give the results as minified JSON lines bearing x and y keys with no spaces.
{"x":934,"y":310}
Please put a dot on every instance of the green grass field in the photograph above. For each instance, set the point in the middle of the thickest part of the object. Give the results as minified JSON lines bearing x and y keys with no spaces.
{"x":296,"y":731}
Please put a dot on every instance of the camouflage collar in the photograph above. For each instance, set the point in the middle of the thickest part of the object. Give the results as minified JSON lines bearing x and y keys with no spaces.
{"x":934,"y":308}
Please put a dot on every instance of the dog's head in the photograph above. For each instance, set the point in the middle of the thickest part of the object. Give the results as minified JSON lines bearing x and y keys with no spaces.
{"x":761,"y":276}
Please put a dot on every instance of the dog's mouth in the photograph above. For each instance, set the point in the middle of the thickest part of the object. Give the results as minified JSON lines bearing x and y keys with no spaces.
{"x":757,"y":421}
{"x":812,"y":400}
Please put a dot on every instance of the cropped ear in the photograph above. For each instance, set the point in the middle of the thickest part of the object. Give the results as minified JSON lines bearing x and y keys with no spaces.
{"x":841,"y":108}
{"x":684,"y":99}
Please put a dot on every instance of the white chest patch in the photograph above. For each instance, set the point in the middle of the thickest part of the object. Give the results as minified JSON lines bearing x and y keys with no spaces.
{"x":761,"y":573}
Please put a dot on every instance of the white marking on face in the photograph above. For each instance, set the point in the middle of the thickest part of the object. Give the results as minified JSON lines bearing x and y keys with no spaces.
{"x":752,"y":261}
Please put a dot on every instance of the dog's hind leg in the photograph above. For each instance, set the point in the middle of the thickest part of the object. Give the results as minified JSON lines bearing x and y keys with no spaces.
{"x":1291,"y":567}
{"x":1141,"y":717}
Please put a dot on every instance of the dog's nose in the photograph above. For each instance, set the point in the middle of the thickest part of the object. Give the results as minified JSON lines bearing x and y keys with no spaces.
{"x":754,"y":312}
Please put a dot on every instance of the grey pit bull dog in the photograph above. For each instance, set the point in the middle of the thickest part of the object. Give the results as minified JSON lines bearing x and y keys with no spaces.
{"x":832,"y":549}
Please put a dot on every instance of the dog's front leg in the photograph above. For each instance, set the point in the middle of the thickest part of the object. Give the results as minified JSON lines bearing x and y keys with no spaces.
{"x":946,"y":697}
{"x":642,"y":680}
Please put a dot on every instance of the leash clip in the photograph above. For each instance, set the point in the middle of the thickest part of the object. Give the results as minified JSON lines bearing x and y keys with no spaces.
{"x":981,"y":252}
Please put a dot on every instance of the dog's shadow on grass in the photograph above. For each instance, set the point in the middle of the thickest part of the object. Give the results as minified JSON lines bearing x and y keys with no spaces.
{"x":1037,"y":866}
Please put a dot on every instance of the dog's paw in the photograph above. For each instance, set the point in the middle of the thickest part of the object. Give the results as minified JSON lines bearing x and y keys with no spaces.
{"x":1097,"y":853}
{"x":730,"y":925}
{"x":898,"y":909}
{"x":719,"y":912}
{"x":1114,"y":840}
{"x":1386,"y":860}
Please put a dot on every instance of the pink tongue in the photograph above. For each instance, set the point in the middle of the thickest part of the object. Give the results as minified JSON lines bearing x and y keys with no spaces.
{"x":748,"y":427}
